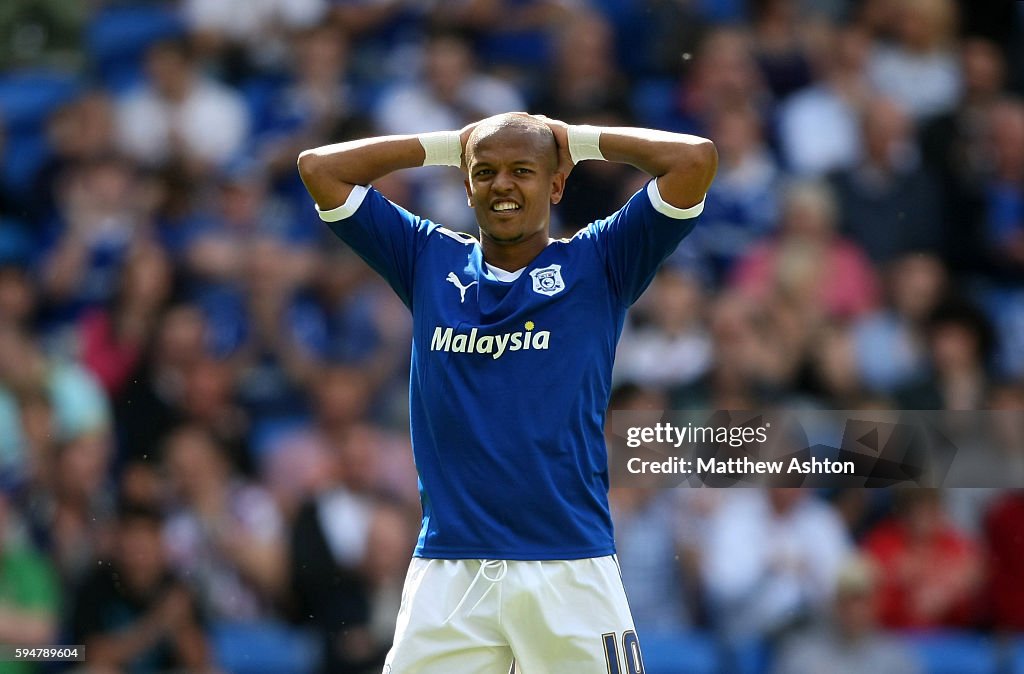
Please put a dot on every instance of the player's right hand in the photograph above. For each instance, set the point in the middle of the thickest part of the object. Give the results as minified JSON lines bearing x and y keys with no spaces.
{"x":561,"y":131}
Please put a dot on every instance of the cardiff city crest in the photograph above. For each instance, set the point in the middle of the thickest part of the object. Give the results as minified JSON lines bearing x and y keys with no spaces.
{"x":548,"y":280}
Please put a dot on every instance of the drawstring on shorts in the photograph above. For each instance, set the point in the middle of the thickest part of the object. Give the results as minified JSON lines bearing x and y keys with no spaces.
{"x":501,"y":567}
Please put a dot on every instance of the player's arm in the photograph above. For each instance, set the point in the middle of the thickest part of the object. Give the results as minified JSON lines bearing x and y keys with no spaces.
{"x":684,"y":165}
{"x":330,"y":172}
{"x":386,"y":236}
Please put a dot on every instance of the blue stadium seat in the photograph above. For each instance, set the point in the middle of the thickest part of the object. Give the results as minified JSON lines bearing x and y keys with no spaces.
{"x":118,"y":37}
{"x":1017,"y":657}
{"x":264,"y":648}
{"x":27,"y":98}
{"x":679,"y":653}
{"x":954,"y":652}
{"x":23,"y":158}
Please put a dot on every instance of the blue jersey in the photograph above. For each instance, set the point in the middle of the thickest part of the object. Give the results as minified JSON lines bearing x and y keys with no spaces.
{"x":510,"y":379}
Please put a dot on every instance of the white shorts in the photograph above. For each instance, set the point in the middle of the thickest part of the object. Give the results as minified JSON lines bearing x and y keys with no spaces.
{"x":480,"y":617}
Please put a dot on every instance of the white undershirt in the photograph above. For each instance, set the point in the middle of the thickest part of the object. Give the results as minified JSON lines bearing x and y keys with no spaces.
{"x":502,"y":275}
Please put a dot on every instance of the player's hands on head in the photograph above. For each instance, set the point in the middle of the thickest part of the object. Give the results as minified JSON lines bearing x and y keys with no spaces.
{"x":561,"y":131}
{"x":559,"y":128}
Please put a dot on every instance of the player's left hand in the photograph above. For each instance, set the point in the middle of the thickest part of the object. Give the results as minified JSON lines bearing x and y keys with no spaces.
{"x":561,"y":131}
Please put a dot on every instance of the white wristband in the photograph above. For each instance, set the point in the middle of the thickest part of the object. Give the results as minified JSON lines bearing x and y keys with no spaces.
{"x":442,"y":148}
{"x":584,"y":142}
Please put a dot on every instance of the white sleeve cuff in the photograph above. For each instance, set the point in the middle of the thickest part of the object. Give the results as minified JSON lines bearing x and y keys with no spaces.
{"x":668,"y":209}
{"x":347,"y":209}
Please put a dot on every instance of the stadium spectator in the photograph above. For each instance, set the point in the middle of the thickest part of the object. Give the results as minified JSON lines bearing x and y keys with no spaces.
{"x":151,"y":404}
{"x":269,"y":328}
{"x":29,"y":592}
{"x":37,"y":432}
{"x":452,"y":93}
{"x":1008,"y":428}
{"x":818,"y":127}
{"x":72,"y":519}
{"x":367,"y":20}
{"x":81,"y":131}
{"x":244,"y":210}
{"x":851,"y":642}
{"x":890,"y":342}
{"x":960,"y":342}
{"x":63,"y":498}
{"x":513,"y":35}
{"x":19,"y":294}
{"x":744,"y":207}
{"x":831,"y":375}
{"x":320,"y":99}
{"x":80,"y":408}
{"x":245,"y":37}
{"x":586,"y":87}
{"x":225,"y":535}
{"x":724,"y":76}
{"x":649,"y":559}
{"x":1004,"y":188}
{"x":919,"y":69}
{"x":930,"y":571}
{"x":101,"y":217}
{"x":655,"y":40}
{"x":956,"y":148}
{"x":181,"y":116}
{"x":365,"y":324}
{"x":1005,"y":547}
{"x":822,"y":275}
{"x":132,"y":613}
{"x":889,"y":203}
{"x":658,"y":579}
{"x":783,"y":38}
{"x":329,"y":547}
{"x":585,"y":80}
{"x":389,"y":544}
{"x":757,"y":352}
{"x":112,"y":340}
{"x":666,"y":342}
{"x":209,"y":401}
{"x":771,"y":560}
{"x":300,"y":463}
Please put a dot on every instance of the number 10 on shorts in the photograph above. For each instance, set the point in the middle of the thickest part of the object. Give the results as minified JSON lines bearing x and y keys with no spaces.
{"x":630,"y":652}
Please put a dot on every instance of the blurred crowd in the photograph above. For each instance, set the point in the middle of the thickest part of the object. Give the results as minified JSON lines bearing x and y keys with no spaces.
{"x":203,"y":395}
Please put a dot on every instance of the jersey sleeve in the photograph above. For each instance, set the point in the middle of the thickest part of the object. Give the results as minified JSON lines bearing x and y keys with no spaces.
{"x":388,"y":237}
{"x":636,"y":239}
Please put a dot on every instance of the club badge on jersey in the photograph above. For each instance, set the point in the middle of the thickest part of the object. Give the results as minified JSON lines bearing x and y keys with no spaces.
{"x":548,"y":280}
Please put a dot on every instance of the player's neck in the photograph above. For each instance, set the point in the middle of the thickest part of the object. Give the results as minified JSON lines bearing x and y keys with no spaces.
{"x":513,"y":257}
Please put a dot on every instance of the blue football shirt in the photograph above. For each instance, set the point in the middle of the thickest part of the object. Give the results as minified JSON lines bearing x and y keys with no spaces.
{"x":510,"y":380}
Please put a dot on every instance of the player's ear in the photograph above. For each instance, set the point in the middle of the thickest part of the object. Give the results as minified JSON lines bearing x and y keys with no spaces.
{"x":557,"y":186}
{"x":469,"y":192}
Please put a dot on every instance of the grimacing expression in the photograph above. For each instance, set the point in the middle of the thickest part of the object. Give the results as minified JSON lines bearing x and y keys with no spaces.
{"x":512,"y":181}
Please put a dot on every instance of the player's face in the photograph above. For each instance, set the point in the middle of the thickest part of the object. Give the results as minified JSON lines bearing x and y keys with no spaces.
{"x":511,"y":185}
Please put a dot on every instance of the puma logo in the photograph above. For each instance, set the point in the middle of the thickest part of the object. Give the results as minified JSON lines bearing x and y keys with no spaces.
{"x":454,"y":280}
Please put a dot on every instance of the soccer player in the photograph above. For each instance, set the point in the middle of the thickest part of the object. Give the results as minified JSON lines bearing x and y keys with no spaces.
{"x":514,"y":336}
